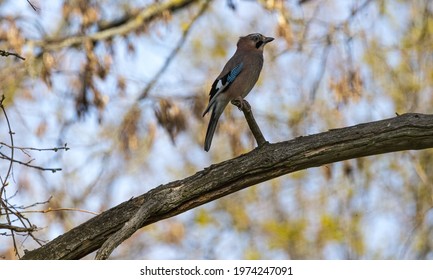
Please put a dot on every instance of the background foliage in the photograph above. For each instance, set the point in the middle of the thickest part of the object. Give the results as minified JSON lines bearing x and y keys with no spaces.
{"x":124,"y":84}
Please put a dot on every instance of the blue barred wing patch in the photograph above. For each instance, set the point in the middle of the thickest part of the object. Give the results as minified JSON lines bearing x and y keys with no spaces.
{"x":234,"y":73}
{"x":222,"y":84}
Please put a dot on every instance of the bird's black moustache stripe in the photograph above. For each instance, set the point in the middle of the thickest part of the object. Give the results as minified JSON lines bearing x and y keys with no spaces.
{"x":259,"y":44}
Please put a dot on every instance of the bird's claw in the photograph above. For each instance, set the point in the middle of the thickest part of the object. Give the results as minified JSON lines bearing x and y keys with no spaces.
{"x":242,"y":104}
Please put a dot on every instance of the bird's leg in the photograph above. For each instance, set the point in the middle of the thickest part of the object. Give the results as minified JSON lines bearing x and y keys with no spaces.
{"x":242,"y":104}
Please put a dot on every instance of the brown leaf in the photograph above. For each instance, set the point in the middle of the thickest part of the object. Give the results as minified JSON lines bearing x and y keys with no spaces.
{"x":41,"y":129}
{"x":170,"y":117}
{"x":129,"y":130}
{"x":348,"y":87}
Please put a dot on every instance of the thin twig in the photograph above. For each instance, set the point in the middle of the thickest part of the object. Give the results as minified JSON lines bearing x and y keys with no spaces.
{"x":17,"y":229}
{"x":6,"y":53}
{"x":322,"y":68}
{"x":55,"y":169}
{"x":61,"y":209}
{"x":55,"y":149}
{"x":34,"y":7}
{"x":34,"y":204}
{"x":358,"y":9}
{"x":11,"y":210}
{"x":4,"y":182}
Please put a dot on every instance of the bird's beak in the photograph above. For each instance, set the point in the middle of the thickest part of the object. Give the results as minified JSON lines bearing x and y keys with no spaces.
{"x":268,"y":39}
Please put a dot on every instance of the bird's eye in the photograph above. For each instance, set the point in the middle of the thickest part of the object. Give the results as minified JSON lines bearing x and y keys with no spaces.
{"x":255,"y":38}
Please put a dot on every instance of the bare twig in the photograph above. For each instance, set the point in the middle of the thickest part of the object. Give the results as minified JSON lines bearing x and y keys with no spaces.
{"x":52,"y":169}
{"x":61,"y":209}
{"x":18,"y":229}
{"x":6,"y":53}
{"x":26,"y":226}
{"x":23,"y":149}
{"x":4,"y":181}
{"x":34,"y":204}
{"x":11,"y":212}
{"x":34,"y":7}
{"x":322,"y":67}
{"x":358,"y":9}
{"x":300,"y":2}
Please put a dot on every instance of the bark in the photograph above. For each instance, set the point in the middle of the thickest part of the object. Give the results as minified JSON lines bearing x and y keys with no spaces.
{"x":405,"y":132}
{"x":254,"y":127}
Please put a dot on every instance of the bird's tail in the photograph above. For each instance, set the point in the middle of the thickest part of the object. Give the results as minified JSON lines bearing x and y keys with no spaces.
{"x":216,"y":113}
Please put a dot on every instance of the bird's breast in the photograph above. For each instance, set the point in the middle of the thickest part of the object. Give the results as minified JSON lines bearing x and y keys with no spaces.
{"x":251,"y":73}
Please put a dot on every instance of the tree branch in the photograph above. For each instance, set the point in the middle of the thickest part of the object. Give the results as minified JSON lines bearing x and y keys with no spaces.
{"x":125,"y":26}
{"x":405,"y":132}
{"x":245,"y":107}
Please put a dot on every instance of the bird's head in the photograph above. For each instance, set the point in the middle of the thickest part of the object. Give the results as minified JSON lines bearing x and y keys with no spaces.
{"x":254,"y":41}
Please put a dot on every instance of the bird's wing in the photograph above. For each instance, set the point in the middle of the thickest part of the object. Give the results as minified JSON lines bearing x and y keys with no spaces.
{"x":222,"y":84}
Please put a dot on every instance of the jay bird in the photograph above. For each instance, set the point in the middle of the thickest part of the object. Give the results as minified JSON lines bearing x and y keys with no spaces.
{"x":236,"y":80}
